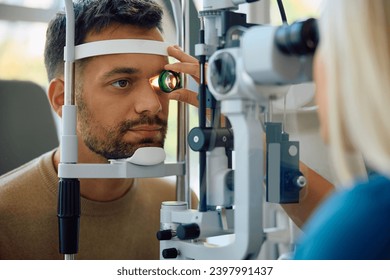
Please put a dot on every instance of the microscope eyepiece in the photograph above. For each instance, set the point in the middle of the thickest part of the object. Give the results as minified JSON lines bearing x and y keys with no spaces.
{"x":299,"y":38}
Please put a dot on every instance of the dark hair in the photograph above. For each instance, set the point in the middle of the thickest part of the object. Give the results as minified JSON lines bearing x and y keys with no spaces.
{"x":94,"y":16}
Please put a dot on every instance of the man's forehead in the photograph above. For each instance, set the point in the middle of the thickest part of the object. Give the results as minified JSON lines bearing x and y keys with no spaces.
{"x":108,"y":66}
{"x":130,"y":64}
{"x":121,"y":31}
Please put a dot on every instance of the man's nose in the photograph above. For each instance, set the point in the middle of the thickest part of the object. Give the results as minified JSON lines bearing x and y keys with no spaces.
{"x":148,"y":101}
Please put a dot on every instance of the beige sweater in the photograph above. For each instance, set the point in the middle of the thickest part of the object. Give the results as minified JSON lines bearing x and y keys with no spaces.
{"x":121,"y":229}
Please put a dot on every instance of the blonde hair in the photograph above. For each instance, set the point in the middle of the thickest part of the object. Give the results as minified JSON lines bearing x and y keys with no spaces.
{"x":355,"y":45}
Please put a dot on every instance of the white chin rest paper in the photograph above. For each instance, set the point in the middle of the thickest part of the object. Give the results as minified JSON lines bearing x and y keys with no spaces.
{"x":144,"y":156}
{"x":147,"y":156}
{"x":119,"y":46}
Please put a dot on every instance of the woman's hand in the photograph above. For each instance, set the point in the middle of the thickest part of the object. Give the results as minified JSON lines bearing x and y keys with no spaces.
{"x":187,"y":65}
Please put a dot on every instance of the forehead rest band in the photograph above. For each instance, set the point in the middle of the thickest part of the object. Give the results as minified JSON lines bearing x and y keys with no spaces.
{"x":120,"y":46}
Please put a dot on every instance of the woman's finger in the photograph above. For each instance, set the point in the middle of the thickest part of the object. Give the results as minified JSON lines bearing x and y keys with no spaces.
{"x":177,"y":53}
{"x":187,"y":68}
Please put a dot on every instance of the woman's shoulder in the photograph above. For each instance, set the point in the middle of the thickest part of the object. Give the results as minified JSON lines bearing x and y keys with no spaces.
{"x":351,"y":224}
{"x":365,"y":199}
{"x":373,"y":192}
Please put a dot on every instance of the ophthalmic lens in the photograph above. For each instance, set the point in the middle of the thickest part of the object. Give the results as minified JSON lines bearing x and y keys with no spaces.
{"x":168,"y":81}
{"x":223,"y":72}
{"x":299,"y":38}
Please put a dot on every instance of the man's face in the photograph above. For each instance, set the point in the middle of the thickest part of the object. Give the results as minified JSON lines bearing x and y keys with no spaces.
{"x":118,"y":110}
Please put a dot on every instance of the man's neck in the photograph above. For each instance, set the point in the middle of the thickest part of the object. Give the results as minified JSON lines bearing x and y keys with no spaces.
{"x":100,"y":189}
{"x":105,"y":189}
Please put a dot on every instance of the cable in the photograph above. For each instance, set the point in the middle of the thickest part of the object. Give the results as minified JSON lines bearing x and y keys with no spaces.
{"x":282,"y":11}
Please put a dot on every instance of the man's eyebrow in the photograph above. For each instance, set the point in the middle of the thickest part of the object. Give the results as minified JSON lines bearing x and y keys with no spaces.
{"x":121,"y":70}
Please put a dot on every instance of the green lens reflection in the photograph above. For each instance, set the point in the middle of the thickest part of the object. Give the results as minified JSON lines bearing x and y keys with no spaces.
{"x":168,"y":81}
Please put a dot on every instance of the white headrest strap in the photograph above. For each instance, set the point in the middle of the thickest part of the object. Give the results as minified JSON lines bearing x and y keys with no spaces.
{"x":121,"y":46}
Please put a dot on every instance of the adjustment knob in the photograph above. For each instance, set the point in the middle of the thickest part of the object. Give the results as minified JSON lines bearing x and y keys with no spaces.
{"x":300,"y":181}
{"x":188,"y":231}
{"x":170,"y":253}
{"x":164,"y":234}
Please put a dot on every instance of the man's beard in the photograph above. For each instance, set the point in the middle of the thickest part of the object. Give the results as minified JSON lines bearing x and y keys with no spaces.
{"x":111,"y":144}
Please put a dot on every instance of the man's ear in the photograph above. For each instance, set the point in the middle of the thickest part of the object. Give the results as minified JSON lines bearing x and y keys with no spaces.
{"x":56,"y":95}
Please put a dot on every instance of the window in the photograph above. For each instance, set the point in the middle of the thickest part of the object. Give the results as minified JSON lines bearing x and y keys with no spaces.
{"x":41,"y":4}
{"x":21,"y":51}
{"x":22,"y":38}
{"x":295,"y":10}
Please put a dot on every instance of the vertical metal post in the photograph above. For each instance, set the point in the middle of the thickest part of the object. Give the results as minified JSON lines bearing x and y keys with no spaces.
{"x":257,"y":12}
{"x":68,"y":211}
{"x":183,"y":191}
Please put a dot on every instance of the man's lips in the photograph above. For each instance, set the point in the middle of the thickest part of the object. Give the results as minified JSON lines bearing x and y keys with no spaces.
{"x":146,"y":128}
{"x":147,"y":131}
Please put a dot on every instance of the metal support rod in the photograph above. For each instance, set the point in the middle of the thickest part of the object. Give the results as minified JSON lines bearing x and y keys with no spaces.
{"x":183,"y":191}
{"x":69,"y":257}
{"x":69,"y":189}
{"x":69,"y":54}
{"x":202,"y":124}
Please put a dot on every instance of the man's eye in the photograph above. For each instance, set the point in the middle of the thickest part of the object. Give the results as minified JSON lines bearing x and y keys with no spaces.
{"x":121,"y":84}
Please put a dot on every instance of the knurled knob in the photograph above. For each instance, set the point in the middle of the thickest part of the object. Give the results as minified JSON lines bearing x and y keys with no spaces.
{"x":170,"y":253}
{"x":164,"y":234}
{"x":188,"y":231}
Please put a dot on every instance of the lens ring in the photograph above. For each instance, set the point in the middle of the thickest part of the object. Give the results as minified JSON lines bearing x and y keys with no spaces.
{"x":169,"y":81}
